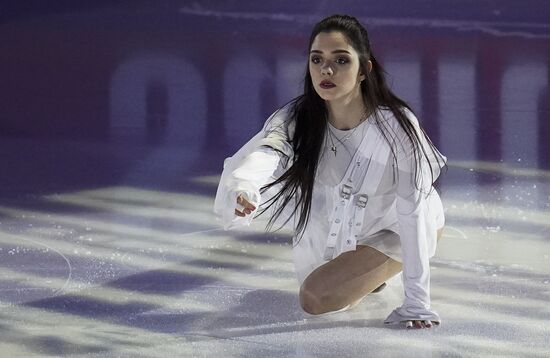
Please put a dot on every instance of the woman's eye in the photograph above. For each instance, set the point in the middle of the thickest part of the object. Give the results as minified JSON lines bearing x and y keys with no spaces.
{"x":342,"y":61}
{"x":315,"y":60}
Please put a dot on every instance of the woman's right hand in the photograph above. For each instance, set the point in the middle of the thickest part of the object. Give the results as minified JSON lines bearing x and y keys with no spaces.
{"x":244,"y":206}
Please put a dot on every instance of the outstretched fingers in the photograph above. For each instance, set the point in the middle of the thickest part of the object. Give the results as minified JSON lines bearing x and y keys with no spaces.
{"x":244,"y":206}
{"x":420,"y":324}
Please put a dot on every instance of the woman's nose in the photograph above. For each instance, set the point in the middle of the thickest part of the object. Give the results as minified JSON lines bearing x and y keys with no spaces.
{"x":326,"y":70}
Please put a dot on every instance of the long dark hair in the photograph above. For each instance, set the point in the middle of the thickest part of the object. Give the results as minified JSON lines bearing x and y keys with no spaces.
{"x":308,"y":111}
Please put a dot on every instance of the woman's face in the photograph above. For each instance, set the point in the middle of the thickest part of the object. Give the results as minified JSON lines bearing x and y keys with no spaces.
{"x":334,"y":67}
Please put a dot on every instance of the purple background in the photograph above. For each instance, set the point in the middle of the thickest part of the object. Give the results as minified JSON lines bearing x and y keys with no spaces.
{"x":90,"y":88}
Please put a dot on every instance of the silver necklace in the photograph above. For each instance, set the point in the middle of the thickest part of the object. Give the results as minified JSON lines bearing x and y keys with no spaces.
{"x":341,"y":141}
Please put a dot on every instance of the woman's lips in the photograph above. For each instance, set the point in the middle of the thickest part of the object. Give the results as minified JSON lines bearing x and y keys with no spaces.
{"x":327,"y":84}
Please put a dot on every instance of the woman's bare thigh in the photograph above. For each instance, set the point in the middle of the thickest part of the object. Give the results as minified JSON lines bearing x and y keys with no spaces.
{"x":349,"y":277}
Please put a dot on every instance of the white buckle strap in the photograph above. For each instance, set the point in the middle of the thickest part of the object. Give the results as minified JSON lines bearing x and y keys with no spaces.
{"x":358,"y":216}
{"x":345,"y":192}
{"x":362,"y":200}
{"x":336,"y":221}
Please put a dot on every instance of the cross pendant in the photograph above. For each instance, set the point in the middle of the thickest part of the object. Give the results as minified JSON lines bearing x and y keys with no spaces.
{"x":333,"y":148}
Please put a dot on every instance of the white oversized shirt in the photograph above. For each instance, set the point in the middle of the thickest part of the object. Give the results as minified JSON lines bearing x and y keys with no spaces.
{"x":372,"y":195}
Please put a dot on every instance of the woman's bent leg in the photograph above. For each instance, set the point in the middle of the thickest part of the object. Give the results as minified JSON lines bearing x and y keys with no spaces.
{"x":346,"y":279}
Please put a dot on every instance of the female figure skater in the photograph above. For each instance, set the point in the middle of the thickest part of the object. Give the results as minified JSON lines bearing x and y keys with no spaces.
{"x":348,"y":164}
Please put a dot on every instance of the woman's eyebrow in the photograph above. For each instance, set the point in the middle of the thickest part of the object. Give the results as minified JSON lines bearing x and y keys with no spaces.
{"x":335,"y":51}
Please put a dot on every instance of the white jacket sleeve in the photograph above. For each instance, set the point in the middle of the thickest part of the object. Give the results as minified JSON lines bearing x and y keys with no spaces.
{"x":254,"y":172}
{"x":260,"y":161}
{"x":415,"y":233}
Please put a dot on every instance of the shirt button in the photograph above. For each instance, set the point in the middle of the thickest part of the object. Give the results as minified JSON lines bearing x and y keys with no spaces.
{"x":337,"y":221}
{"x":333,"y":234}
{"x":357,"y":224}
{"x":348,"y":241}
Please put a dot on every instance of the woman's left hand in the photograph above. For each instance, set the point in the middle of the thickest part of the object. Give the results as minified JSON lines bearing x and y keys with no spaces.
{"x":420,"y":324}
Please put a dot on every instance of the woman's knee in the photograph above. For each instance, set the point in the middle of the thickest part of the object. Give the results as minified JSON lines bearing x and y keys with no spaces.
{"x":311,"y":300}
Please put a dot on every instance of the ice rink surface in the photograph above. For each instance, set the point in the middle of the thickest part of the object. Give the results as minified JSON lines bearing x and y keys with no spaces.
{"x":108,"y":243}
